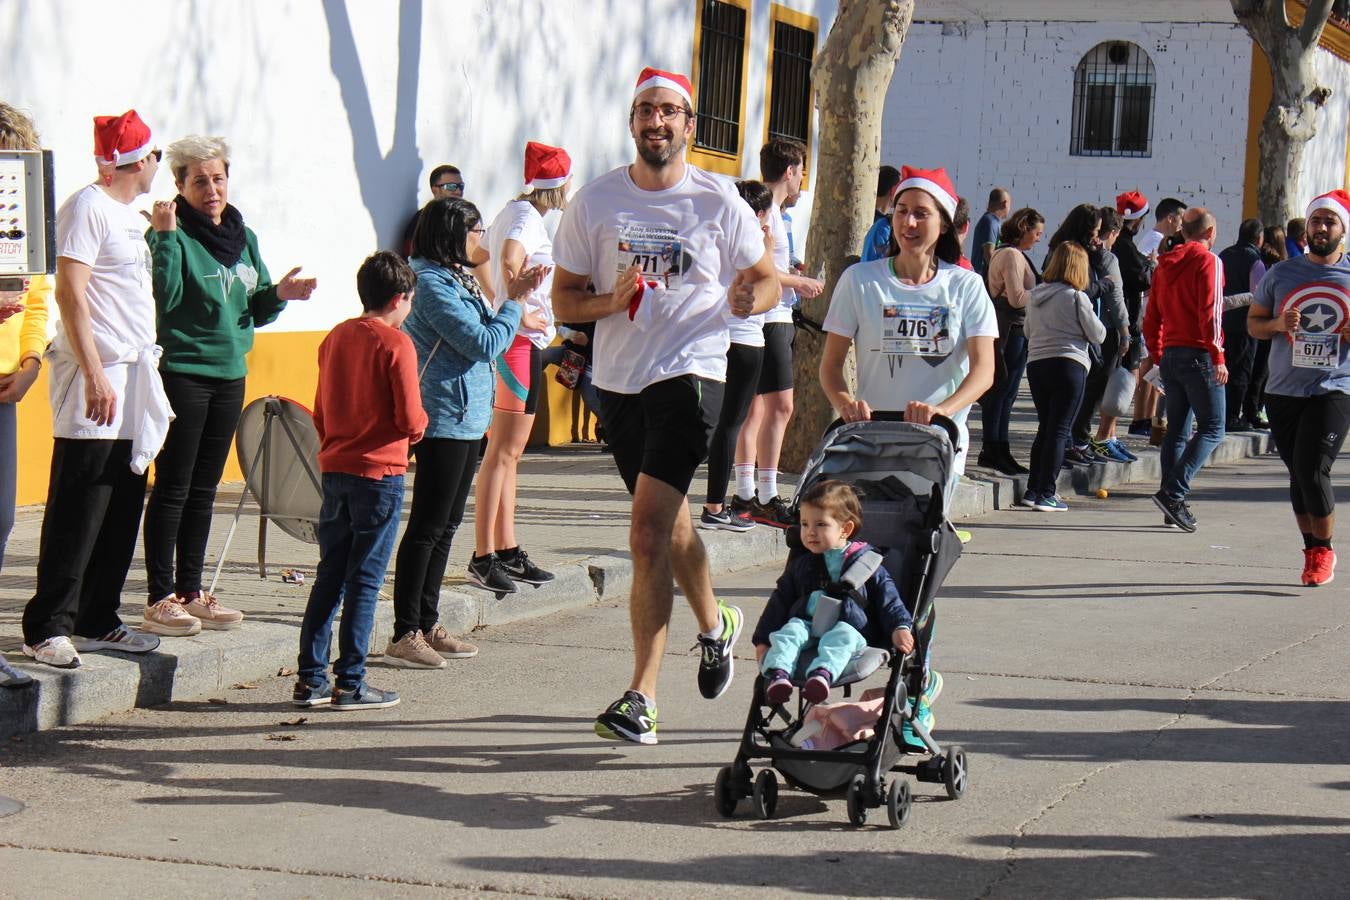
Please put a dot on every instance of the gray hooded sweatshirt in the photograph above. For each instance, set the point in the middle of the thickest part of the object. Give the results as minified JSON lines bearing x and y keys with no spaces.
{"x":1060,"y":323}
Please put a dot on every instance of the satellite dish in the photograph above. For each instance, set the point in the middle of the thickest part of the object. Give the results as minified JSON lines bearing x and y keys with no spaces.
{"x":278,"y":449}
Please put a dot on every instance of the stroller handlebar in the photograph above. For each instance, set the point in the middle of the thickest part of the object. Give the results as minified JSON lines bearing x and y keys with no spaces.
{"x":946,"y":424}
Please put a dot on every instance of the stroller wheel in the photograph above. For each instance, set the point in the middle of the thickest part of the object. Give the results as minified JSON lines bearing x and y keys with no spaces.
{"x":857,"y":801}
{"x":725,"y":794}
{"x":954,"y":772}
{"x":765,"y":798}
{"x":898,"y":801}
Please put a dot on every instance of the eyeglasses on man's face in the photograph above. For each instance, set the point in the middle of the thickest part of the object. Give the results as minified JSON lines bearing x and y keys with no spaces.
{"x":667,"y":111}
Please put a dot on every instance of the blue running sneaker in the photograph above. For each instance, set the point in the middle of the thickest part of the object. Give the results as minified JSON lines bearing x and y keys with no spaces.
{"x":932,"y":688}
{"x":1119,"y":447}
{"x":926,"y":719}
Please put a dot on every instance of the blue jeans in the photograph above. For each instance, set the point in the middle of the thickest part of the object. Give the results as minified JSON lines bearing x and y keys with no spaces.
{"x":357,"y":526}
{"x":1189,"y":388}
{"x":997,"y":404}
{"x":832,"y":652}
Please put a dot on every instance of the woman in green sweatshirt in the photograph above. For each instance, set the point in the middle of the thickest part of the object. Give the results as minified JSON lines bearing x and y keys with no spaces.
{"x":211,"y":290}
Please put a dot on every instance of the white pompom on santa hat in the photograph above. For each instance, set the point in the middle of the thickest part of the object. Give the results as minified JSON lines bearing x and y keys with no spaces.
{"x":121,"y":140}
{"x":1337,"y":201}
{"x":546,"y":167}
{"x":933,"y":182}
{"x":671,"y":81}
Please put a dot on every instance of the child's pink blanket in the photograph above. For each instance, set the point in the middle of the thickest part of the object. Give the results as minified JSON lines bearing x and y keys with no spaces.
{"x":829,"y":726}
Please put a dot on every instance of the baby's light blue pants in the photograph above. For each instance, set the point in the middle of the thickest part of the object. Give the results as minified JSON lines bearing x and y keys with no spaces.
{"x":833,"y":651}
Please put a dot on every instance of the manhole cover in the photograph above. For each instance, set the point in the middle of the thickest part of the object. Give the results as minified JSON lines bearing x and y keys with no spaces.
{"x":9,"y":807}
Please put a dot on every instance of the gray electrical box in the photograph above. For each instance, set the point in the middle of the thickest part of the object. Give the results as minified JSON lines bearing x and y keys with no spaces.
{"x":27,"y":217}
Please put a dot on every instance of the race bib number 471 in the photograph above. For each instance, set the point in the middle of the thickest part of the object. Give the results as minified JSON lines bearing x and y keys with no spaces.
{"x":656,"y":249}
{"x":915,"y":330}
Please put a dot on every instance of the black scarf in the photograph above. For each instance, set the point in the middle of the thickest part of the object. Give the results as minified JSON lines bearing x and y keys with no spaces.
{"x":224,"y":241}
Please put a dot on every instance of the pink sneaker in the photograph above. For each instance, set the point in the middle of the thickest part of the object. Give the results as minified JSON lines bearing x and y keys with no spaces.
{"x":817,"y":687}
{"x":167,"y":617}
{"x":204,"y":606}
{"x":1319,"y":566}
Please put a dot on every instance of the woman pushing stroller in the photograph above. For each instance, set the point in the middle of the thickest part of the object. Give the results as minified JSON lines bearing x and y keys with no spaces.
{"x":830,"y":514}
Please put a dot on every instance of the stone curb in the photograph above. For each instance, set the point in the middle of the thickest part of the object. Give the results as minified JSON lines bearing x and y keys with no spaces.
{"x":209,"y":663}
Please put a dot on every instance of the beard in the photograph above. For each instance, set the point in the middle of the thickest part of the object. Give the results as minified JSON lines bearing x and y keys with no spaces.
{"x":1323,"y":244}
{"x":658,"y":159}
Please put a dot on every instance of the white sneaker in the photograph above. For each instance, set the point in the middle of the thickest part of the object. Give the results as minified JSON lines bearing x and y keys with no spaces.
{"x":11,"y":677}
{"x":167,"y":617}
{"x":55,"y":651}
{"x":120,"y":638}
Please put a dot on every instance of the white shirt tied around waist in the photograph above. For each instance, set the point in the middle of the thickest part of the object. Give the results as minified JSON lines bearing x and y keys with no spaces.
{"x":143,"y":412}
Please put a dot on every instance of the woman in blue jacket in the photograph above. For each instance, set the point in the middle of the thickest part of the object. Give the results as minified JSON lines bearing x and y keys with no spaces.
{"x":457,"y":336}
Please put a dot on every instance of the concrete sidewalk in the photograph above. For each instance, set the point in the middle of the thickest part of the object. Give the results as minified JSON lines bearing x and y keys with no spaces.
{"x":573,"y":518}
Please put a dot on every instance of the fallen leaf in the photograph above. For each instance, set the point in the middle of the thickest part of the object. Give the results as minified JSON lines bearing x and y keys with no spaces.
{"x":218,"y":701}
{"x":283,"y":672}
{"x":173,"y":839}
{"x":300,"y":721}
{"x":245,"y":686}
{"x":281,"y":737}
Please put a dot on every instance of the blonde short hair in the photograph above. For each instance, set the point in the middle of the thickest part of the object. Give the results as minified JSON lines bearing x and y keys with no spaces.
{"x":548,"y":198}
{"x":1068,"y":265}
{"x":196,"y":148}
{"x":17,"y":131}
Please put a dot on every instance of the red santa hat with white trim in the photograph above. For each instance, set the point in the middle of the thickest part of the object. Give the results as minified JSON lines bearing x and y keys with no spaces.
{"x":671,"y":81}
{"x":546,"y":167}
{"x":1131,"y":205}
{"x":933,"y":182}
{"x":1336,"y":201}
{"x":121,"y":140}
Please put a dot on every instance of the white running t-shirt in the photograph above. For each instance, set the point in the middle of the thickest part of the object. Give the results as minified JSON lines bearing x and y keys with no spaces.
{"x":910,"y":340}
{"x":520,"y":221}
{"x":690,"y":240}
{"x":109,"y":237}
{"x":782,"y":261}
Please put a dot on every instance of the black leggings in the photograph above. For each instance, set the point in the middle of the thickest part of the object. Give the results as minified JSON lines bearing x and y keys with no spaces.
{"x":445,"y":468}
{"x":187,"y":470}
{"x":1308,"y":434}
{"x":743,"y":364}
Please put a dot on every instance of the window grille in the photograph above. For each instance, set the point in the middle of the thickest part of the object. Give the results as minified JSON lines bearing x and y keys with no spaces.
{"x":1113,"y":102}
{"x":720,"y":55}
{"x":790,"y":105}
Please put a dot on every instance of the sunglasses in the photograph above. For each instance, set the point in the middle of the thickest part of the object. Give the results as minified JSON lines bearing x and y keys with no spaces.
{"x":450,"y":186}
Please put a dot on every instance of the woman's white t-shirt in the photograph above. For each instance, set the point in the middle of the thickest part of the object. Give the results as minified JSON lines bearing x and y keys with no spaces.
{"x":520,"y":221}
{"x":690,"y":240}
{"x":910,"y":340}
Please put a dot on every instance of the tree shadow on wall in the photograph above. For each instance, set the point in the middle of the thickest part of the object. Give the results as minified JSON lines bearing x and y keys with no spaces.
{"x":388,"y":181}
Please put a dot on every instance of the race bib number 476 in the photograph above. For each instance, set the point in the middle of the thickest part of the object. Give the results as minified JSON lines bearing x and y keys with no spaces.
{"x":915,"y":330}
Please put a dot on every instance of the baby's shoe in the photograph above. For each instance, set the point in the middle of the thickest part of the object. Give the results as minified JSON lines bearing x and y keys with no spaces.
{"x":778,"y":690}
{"x":817,"y":687}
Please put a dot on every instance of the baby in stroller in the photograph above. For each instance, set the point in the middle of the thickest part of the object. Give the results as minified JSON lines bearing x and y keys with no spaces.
{"x":811,"y":612}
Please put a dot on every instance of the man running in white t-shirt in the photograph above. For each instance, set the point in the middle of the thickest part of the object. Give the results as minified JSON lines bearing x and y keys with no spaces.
{"x":666,"y":246}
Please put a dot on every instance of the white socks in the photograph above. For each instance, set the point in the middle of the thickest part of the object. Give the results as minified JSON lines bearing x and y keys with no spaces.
{"x":745,"y":480}
{"x":767,"y":479}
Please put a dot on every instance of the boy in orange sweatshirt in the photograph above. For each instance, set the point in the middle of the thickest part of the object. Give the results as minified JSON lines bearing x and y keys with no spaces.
{"x":368,"y":409}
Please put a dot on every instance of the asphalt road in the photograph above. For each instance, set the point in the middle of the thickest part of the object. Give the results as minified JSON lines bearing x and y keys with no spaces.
{"x":1148,"y":713}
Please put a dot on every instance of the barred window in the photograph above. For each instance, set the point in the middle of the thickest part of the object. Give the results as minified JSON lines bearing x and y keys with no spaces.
{"x":1113,"y":102}
{"x":790,"y":85}
{"x":721,"y":75}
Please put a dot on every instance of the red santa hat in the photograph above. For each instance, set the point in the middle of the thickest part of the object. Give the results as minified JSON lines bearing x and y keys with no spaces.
{"x":545,"y":166}
{"x":121,"y":140}
{"x":933,"y":182}
{"x":1336,"y":201}
{"x":1131,"y":205}
{"x":671,"y":81}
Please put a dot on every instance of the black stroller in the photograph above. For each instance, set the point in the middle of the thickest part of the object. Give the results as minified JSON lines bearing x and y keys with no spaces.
{"x":902,"y":472}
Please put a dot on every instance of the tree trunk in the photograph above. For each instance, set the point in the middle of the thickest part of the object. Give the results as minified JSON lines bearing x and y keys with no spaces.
{"x":1296,"y":98}
{"x":852,"y":73}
